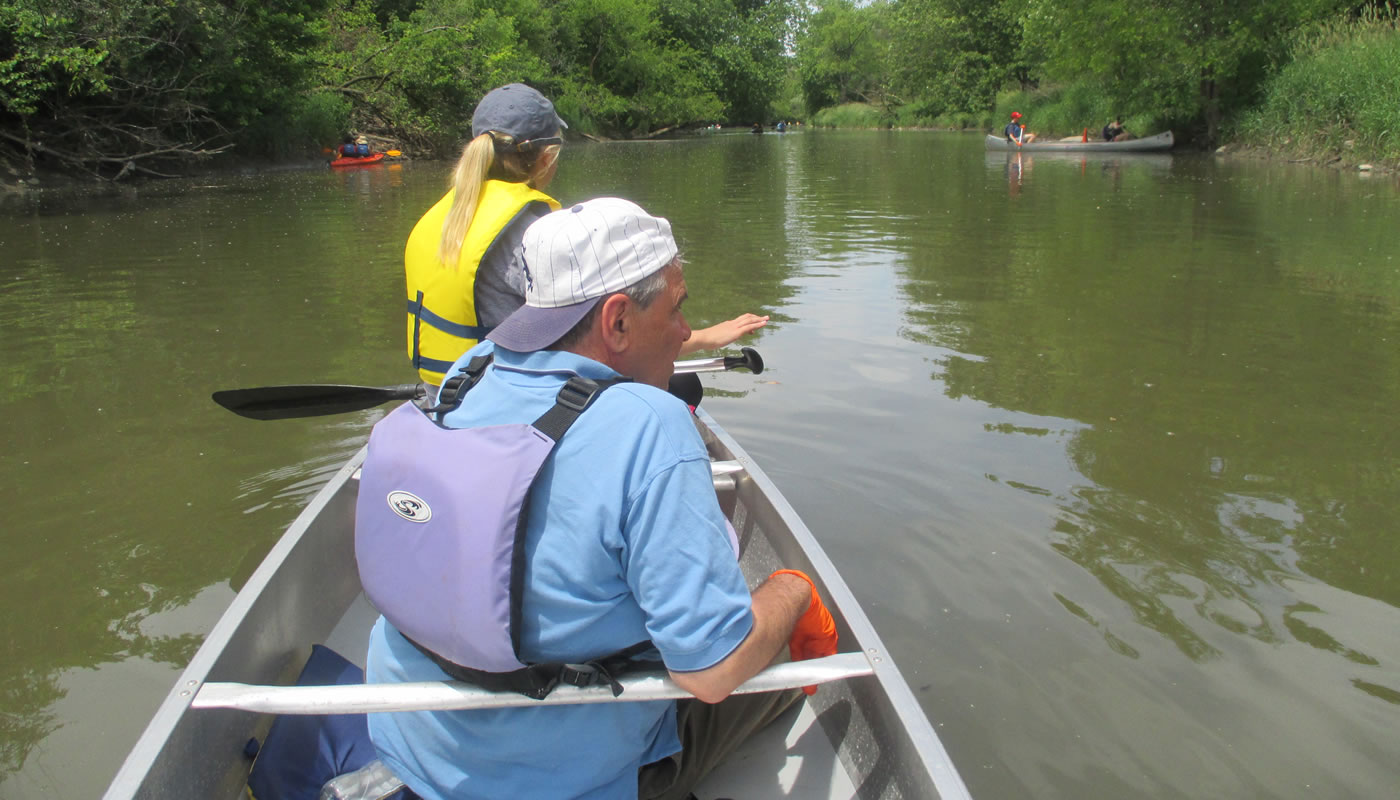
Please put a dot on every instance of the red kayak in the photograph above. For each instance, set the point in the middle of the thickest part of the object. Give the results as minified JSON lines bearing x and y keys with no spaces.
{"x":355,"y":161}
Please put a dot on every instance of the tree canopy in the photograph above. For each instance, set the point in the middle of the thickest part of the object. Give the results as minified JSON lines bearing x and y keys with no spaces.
{"x":114,"y":87}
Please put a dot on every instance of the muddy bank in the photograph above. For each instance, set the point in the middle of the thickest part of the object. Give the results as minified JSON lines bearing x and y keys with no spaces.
{"x":1343,"y":162}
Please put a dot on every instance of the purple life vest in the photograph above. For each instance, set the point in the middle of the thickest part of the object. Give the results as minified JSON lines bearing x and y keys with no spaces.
{"x":439,"y":527}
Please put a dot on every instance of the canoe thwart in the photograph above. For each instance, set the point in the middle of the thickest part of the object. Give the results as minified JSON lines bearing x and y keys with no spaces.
{"x":455,"y":695}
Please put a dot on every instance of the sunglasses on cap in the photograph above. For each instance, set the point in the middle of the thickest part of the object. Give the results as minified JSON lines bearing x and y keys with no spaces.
{"x":506,"y":141}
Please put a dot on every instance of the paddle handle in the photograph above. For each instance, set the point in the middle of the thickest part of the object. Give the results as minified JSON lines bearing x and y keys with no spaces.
{"x":750,"y":360}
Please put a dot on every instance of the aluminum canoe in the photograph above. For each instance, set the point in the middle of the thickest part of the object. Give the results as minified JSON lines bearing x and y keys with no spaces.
{"x":1150,"y":144}
{"x":862,"y":737}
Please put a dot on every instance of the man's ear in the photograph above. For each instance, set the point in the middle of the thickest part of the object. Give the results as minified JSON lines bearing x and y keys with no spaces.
{"x":616,"y":317}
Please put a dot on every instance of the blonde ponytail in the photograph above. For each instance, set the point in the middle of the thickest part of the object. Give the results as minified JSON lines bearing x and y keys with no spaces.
{"x":472,"y":170}
{"x":479,"y":163}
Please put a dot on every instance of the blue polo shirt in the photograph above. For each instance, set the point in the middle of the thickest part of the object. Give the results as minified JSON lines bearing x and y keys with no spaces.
{"x":625,"y":542}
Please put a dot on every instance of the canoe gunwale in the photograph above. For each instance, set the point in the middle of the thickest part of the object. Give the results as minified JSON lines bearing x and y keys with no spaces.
{"x":1148,"y":144}
{"x":220,"y":657}
{"x":886,"y":690}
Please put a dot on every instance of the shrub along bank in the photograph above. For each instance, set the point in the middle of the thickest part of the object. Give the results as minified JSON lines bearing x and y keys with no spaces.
{"x":1338,"y":100}
{"x":1328,"y":93}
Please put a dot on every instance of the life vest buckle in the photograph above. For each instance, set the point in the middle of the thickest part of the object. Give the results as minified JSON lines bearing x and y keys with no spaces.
{"x":589,"y":674}
{"x":577,"y":393}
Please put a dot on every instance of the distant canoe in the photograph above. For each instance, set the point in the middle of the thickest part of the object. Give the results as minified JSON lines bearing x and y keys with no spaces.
{"x":356,"y":161}
{"x":1162,"y":141}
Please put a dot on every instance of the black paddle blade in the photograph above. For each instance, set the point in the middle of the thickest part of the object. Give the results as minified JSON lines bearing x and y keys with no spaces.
{"x":311,"y":400}
{"x":750,"y":360}
{"x":687,"y":386}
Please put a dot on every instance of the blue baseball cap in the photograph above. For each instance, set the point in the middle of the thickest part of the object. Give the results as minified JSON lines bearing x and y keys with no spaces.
{"x":518,"y":111}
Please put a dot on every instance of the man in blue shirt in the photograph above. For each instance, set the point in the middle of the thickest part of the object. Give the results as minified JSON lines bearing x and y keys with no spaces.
{"x":1015,"y":130}
{"x":625,"y":541}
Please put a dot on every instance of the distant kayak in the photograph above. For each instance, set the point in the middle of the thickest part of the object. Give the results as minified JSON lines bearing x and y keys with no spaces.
{"x":1162,"y":141}
{"x":356,"y":161}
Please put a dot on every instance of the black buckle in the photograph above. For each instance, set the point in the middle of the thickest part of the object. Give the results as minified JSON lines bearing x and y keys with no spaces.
{"x":453,"y":390}
{"x":590,"y":674}
{"x":577,"y":393}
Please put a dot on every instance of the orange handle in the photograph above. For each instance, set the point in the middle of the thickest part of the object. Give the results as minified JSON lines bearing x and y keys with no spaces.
{"x":814,"y":636}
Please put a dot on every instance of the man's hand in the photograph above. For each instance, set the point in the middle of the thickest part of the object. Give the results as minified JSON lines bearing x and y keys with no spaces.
{"x":815,"y":633}
{"x":723,"y":334}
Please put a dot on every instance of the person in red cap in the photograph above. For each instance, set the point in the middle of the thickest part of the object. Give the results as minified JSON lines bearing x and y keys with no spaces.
{"x":1016,"y":131}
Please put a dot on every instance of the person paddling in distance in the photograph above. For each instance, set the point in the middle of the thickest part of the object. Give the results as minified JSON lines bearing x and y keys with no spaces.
{"x":1015,"y":130}
{"x":1115,"y":132}
{"x":462,"y":263}
{"x":624,"y":543}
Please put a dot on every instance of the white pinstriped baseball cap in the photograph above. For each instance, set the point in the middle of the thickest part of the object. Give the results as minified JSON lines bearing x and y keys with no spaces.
{"x":576,"y":256}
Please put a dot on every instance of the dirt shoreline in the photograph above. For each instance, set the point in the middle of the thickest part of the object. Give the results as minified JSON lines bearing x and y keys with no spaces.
{"x":20,"y":186}
{"x":1337,"y":161}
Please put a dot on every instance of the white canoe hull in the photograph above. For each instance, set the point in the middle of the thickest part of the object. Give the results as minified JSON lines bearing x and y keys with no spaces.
{"x":1151,"y":144}
{"x":877,"y":739}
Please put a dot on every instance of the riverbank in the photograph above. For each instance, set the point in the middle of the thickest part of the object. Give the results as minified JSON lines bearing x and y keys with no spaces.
{"x":1330,"y":101}
{"x":1334,"y":103}
{"x":1342,"y":162}
{"x":22,"y":187}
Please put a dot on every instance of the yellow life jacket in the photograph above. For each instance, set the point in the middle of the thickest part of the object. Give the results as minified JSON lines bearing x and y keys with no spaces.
{"x":442,"y":322}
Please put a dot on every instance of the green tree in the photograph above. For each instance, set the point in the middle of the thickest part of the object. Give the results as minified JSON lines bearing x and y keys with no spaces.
{"x":417,"y":78}
{"x":953,"y":55}
{"x":1184,"y":59}
{"x":623,"y":74}
{"x":742,"y":44}
{"x":121,"y":87}
{"x":840,"y":56}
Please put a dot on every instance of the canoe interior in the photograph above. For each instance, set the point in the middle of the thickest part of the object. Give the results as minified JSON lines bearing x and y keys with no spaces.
{"x":861,"y":738}
{"x":1157,"y":143}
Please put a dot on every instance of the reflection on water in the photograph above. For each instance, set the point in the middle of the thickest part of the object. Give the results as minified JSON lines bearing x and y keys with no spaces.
{"x":1105,"y":444}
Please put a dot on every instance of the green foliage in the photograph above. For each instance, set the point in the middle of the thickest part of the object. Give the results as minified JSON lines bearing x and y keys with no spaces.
{"x":625,"y":74}
{"x":43,"y":57}
{"x":953,"y":55}
{"x":612,"y":67}
{"x":303,"y":126}
{"x":850,"y":115}
{"x":103,"y":86}
{"x":1184,"y":64}
{"x":1337,"y":99}
{"x":842,"y":56}
{"x":1059,"y":111}
{"x":740,"y":45}
{"x":1186,"y":59}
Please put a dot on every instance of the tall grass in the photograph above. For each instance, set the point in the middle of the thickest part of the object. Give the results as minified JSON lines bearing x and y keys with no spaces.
{"x":1340,"y":95}
{"x":853,"y":115}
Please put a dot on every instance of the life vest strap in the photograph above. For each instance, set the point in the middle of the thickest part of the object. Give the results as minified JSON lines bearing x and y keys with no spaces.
{"x":455,"y":388}
{"x":416,"y":308}
{"x":538,"y":680}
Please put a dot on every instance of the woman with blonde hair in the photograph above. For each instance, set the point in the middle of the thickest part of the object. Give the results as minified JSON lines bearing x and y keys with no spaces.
{"x":464,"y":259}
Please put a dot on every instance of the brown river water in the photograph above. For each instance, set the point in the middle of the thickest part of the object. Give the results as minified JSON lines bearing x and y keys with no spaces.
{"x":1107,"y":446}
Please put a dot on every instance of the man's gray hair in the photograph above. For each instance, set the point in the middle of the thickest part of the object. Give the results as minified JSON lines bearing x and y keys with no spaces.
{"x":643,"y":293}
